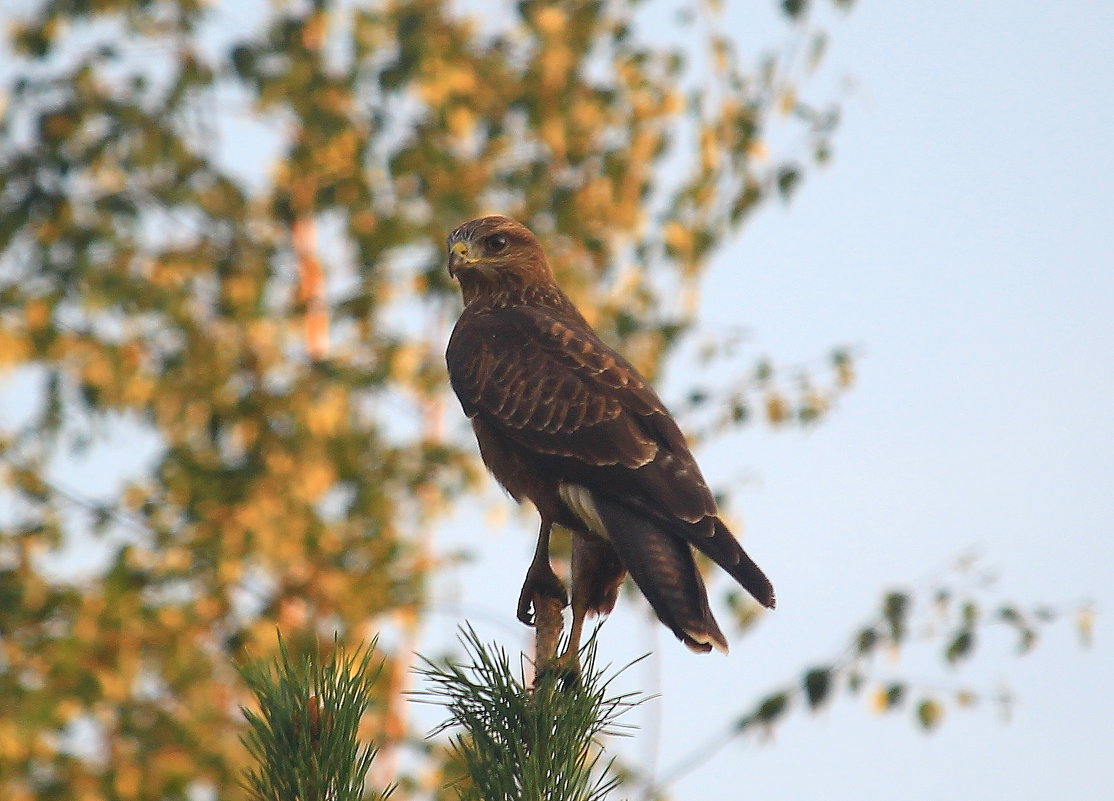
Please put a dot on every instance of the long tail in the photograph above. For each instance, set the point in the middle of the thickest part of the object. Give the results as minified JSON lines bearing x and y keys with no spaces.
{"x":662,"y":565}
{"x":723,"y":549}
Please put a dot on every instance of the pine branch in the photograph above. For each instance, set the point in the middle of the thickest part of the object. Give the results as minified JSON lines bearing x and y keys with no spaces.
{"x":304,"y":737}
{"x":528,"y":744}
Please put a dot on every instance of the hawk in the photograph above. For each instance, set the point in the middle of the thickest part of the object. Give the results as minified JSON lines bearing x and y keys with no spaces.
{"x":564,"y":421}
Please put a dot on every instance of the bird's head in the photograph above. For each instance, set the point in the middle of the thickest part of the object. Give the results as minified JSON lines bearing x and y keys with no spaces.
{"x":496,"y":253}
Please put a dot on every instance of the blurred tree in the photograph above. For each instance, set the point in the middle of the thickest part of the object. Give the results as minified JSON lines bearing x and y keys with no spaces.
{"x":221,"y":259}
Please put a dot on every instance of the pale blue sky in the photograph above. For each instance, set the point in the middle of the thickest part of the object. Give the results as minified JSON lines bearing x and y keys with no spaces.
{"x":962,"y":237}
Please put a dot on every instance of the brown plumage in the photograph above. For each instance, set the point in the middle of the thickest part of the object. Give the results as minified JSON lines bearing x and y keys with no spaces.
{"x":564,"y":421}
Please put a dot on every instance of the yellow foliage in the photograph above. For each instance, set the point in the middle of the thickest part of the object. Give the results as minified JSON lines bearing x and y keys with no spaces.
{"x":363,"y":221}
{"x":292,"y":613}
{"x":550,"y":20}
{"x":630,"y":74}
{"x":263,"y":337}
{"x":709,"y":149}
{"x":677,"y":237}
{"x":333,"y":584}
{"x":777,"y":410}
{"x":642,"y":148}
{"x":109,"y":177}
{"x":174,"y":761}
{"x":595,"y":197}
{"x":339,"y":156}
{"x":97,"y":372}
{"x":816,"y":402}
{"x":45,"y":745}
{"x":240,"y":289}
{"x":719,"y":54}
{"x":316,"y":478}
{"x":114,"y":688}
{"x":787,"y":102}
{"x":461,"y":121}
{"x":20,"y":792}
{"x":127,"y":780}
{"x":230,"y":571}
{"x":171,"y":617}
{"x":758,"y":150}
{"x":66,"y":710}
{"x":556,"y":61}
{"x":330,"y":542}
{"x":642,"y":104}
{"x":404,"y":364}
{"x":280,"y":464}
{"x":138,"y":391}
{"x":690,"y":301}
{"x":12,"y":746}
{"x":552,"y":132}
{"x":208,"y":609}
{"x":36,"y":314}
{"x":328,"y":414}
{"x":175,"y":559}
{"x":46,"y":232}
{"x":313,"y":32}
{"x":1085,"y":625}
{"x":14,"y":348}
{"x":672,"y":103}
{"x":87,"y":624}
{"x":586,"y":114}
{"x":245,"y":432}
{"x":288,"y":547}
{"x":441,"y":81}
{"x":197,"y":413}
{"x":85,"y":628}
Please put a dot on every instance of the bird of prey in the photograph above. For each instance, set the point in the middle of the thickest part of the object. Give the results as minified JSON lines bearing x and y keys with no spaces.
{"x":564,"y":421}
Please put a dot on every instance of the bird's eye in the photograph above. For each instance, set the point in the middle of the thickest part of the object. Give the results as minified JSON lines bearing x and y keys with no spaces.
{"x":496,"y":243}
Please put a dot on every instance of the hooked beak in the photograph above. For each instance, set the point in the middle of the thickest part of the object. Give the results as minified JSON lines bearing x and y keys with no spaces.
{"x":458,"y":256}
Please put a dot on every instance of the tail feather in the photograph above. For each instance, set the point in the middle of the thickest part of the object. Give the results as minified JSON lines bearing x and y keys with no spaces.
{"x":663,"y":567}
{"x":712,"y":538}
{"x":725,"y":551}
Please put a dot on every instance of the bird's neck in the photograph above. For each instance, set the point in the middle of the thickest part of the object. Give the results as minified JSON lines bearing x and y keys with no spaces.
{"x":478,"y":300}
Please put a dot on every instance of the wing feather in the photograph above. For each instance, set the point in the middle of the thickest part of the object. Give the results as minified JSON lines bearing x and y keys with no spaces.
{"x":554,"y":388}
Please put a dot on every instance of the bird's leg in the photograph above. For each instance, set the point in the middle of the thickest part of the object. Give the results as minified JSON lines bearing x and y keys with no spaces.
{"x":541,"y":582}
{"x":569,"y":662}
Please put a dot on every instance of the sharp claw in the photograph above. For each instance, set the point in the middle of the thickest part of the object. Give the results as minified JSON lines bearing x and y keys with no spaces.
{"x":524,"y":613}
{"x":546,"y":586}
{"x":567,"y":677}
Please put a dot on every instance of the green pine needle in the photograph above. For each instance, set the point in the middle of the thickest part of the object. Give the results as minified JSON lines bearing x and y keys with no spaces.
{"x":527,"y":745}
{"x":304,"y":737}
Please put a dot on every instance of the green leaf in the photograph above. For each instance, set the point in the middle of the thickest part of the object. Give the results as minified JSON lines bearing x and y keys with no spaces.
{"x":929,"y":714}
{"x":895,"y":608}
{"x":523,"y":742}
{"x":817,"y":685}
{"x":970,"y":613}
{"x":772,"y":708}
{"x":794,"y":8}
{"x":304,"y":738}
{"x":865,"y":641}
{"x":960,"y":645}
{"x":788,"y":179}
{"x":895,"y":694}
